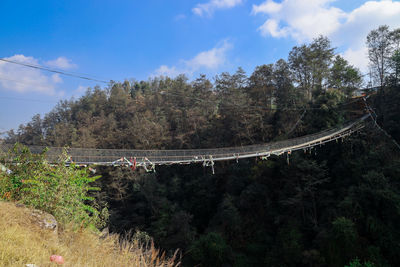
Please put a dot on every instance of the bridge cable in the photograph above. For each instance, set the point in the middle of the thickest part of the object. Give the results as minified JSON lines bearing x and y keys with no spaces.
{"x":374,"y":118}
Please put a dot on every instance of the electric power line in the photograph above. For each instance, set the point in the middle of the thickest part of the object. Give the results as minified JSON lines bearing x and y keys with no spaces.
{"x":102,"y":81}
{"x":53,"y":70}
{"x":27,"y":99}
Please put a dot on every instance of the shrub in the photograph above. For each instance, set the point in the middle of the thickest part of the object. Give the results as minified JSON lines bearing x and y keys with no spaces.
{"x":55,"y":188}
{"x":356,"y":263}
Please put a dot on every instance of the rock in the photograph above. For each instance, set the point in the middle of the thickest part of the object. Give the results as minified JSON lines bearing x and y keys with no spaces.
{"x":20,"y":205}
{"x":45,"y":220}
{"x":104,"y":233}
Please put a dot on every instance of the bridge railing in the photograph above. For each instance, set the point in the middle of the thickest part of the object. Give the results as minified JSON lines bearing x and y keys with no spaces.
{"x":159,"y":157}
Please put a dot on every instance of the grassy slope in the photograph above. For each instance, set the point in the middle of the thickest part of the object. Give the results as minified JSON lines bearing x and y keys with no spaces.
{"x":23,"y":242}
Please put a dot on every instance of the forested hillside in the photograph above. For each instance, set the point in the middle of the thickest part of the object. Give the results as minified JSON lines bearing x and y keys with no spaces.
{"x":326,"y":207}
{"x":234,"y":109}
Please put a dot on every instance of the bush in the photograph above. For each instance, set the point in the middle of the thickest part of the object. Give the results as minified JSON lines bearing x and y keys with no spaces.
{"x":356,"y":263}
{"x":58,"y":189}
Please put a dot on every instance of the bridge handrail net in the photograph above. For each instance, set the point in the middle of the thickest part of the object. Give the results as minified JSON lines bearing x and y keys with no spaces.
{"x":108,"y":156}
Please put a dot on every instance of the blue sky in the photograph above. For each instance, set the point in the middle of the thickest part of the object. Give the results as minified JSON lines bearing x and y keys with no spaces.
{"x":138,"y":39}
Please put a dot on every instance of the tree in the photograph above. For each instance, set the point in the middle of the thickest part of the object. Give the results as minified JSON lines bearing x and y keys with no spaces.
{"x":321,"y":59}
{"x":395,"y":59}
{"x":203,"y":109}
{"x":379,"y":52}
{"x":227,"y":219}
{"x":344,"y":76}
{"x":285,"y":94}
{"x":310,"y":65}
{"x":210,"y":250}
{"x":299,"y":65}
{"x":395,"y":64}
{"x":343,"y":244}
{"x":262,"y":88}
{"x":395,"y":37}
{"x":233,"y":107}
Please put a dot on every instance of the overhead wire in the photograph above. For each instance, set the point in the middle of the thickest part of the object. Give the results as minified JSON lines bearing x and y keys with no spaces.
{"x":77,"y":75}
{"x":85,"y":76}
{"x":71,"y":74}
{"x":26,"y":99}
{"x":52,"y":68}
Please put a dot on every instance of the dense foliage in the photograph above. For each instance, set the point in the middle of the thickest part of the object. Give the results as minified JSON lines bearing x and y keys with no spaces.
{"x":334,"y":205}
{"x":58,"y":189}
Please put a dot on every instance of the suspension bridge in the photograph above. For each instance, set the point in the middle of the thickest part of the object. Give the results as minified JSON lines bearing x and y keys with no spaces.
{"x":150,"y":158}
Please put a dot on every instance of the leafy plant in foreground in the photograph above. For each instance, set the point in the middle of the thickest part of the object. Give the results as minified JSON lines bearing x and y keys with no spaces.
{"x":57,"y":189}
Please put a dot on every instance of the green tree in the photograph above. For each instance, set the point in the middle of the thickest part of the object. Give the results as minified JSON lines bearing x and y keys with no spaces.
{"x":261,"y":86}
{"x":310,"y":65}
{"x":285,"y":93}
{"x":379,"y":53}
{"x":233,"y":108}
{"x":395,"y":65}
{"x":344,"y":76}
{"x":210,"y":250}
{"x":343,"y":243}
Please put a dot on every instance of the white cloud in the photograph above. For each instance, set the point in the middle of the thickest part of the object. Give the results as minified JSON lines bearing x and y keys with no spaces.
{"x":304,"y":20}
{"x":210,"y":59}
{"x":267,"y":7}
{"x":357,"y":57}
{"x":62,"y":63}
{"x":56,"y":78}
{"x":23,"y":79}
{"x":164,"y":70}
{"x":271,"y":27}
{"x":209,"y":8}
{"x":206,"y":60}
{"x":301,"y":19}
{"x":180,"y":17}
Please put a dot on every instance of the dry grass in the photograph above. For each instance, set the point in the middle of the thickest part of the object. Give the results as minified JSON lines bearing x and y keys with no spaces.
{"x":23,"y":242}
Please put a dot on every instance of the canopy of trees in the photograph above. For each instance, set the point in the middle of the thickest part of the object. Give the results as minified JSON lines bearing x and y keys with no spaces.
{"x":233,"y":109}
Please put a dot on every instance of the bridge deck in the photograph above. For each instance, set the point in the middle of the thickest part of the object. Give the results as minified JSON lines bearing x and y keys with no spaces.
{"x":186,"y":156}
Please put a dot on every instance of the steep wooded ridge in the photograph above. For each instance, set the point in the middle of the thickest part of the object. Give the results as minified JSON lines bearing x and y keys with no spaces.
{"x":326,"y":207}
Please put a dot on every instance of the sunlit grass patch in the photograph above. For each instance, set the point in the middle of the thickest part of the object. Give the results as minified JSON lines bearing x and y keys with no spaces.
{"x":23,"y":242}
